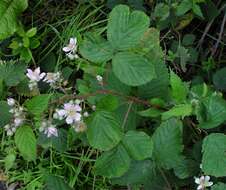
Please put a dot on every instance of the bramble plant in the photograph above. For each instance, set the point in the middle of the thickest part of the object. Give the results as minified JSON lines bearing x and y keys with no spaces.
{"x":116,"y":109}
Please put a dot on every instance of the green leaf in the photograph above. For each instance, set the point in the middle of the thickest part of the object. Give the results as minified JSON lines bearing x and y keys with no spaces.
{"x":108,"y":103}
{"x":138,"y":173}
{"x":133,"y":69}
{"x":9,"y":11}
{"x":5,"y":115}
{"x":184,"y":57}
{"x":31,"y":32}
{"x":56,"y":183}
{"x":168,"y":143}
{"x":113,"y":163}
{"x":104,"y":131}
{"x":26,"y":142}
{"x":179,"y":89}
{"x":184,"y":7}
{"x":138,"y":144}
{"x":214,"y":160}
{"x":159,"y":86}
{"x":38,"y":104}
{"x":219,"y":79}
{"x":150,"y":112}
{"x":215,"y":112}
{"x":197,"y":10}
{"x":12,"y":73}
{"x":9,"y":161}
{"x":96,"y":49}
{"x":219,"y":186}
{"x":180,"y":110}
{"x":162,"y":11}
{"x":125,"y":28}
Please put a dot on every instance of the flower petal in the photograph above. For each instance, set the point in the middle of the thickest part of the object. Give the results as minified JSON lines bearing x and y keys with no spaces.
{"x":66,"y":49}
{"x":69,"y":120}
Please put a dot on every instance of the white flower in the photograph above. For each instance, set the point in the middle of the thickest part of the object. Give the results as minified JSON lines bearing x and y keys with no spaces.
{"x":93,"y":107}
{"x":35,"y":75}
{"x":53,"y":78}
{"x":203,"y":182}
{"x":11,"y":101}
{"x":18,"y":121}
{"x":72,"y":56}
{"x":99,"y":78}
{"x":71,"y":49}
{"x":71,"y":111}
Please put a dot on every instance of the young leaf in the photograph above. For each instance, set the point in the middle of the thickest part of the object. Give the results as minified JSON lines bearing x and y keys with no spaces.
{"x":168,"y":143}
{"x":133,"y":69}
{"x":9,"y":11}
{"x":125,"y":28}
{"x":113,"y":163}
{"x":179,"y":89}
{"x":38,"y":104}
{"x":180,"y":110}
{"x":138,"y":144}
{"x":214,"y":160}
{"x":96,"y":49}
{"x":104,"y":131}
{"x":26,"y":142}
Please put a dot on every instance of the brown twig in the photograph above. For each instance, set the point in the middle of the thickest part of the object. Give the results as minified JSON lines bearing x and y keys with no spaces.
{"x":105,"y":92}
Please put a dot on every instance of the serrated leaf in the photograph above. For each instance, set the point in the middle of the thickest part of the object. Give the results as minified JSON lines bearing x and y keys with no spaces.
{"x":108,"y":103}
{"x":168,"y":145}
{"x":113,"y":163}
{"x":5,"y":115}
{"x":138,"y":173}
{"x":179,"y":89}
{"x":138,"y":144}
{"x":159,"y":86}
{"x":162,"y":11}
{"x":184,"y":7}
{"x":180,"y":110}
{"x":9,"y":11}
{"x":96,"y":49}
{"x":133,"y":69}
{"x":56,"y":183}
{"x":104,"y":131}
{"x":26,"y":142}
{"x":214,"y":160}
{"x":38,"y":104}
{"x":125,"y":28}
{"x":11,"y":73}
{"x":215,"y":112}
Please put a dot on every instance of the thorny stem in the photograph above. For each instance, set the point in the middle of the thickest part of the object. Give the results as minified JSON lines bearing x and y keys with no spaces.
{"x":127,"y":114}
{"x":106,"y":92}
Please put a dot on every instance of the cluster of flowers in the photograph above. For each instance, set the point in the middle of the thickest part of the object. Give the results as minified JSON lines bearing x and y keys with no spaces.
{"x":53,"y":79}
{"x":18,"y":117}
{"x":48,"y":129}
{"x":73,"y":115}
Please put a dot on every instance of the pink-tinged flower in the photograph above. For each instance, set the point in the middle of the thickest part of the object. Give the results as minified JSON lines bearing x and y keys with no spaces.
{"x":203,"y":182}
{"x":51,"y":131}
{"x":71,"y":111}
{"x":71,"y":47}
{"x":35,"y":75}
